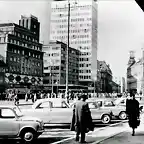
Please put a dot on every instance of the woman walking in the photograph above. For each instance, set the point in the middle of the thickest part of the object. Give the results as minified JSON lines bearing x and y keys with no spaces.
{"x":132,"y":110}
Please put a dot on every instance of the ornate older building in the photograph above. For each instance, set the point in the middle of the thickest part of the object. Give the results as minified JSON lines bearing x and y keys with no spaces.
{"x":134,"y":74}
{"x":104,"y":77}
{"x":22,"y":52}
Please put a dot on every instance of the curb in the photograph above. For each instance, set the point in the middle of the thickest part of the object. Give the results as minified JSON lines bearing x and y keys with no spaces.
{"x":58,"y":142}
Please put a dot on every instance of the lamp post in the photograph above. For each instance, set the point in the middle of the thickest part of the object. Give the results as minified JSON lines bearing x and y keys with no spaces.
{"x":67,"y":50}
{"x":94,"y":86}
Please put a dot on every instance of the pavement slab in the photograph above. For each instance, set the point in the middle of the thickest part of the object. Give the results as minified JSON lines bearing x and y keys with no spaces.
{"x":99,"y":135}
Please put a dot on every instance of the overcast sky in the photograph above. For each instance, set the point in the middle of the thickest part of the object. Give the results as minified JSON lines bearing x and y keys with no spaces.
{"x":120,"y":27}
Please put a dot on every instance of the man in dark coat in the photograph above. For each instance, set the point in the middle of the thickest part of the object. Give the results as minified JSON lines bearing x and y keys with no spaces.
{"x":133,"y":112}
{"x":83,"y":119}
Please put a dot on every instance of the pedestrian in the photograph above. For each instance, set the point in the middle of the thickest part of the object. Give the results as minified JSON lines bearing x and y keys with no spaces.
{"x":16,"y":99}
{"x":26,"y":97}
{"x":133,"y":112}
{"x":35,"y":97}
{"x":81,"y":120}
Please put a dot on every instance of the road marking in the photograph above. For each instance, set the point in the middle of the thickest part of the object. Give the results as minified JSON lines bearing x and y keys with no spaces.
{"x":90,"y":133}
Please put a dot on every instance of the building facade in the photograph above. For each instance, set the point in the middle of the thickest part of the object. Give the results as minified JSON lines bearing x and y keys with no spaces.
{"x":55,"y":65}
{"x":22,"y":52}
{"x":134,"y":74}
{"x":104,"y":77}
{"x":83,"y":33}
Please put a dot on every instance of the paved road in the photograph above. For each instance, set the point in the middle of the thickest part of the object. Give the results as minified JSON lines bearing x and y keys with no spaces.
{"x":53,"y":135}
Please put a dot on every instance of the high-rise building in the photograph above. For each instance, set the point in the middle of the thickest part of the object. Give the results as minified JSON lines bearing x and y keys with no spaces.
{"x":22,"y":52}
{"x":83,"y":33}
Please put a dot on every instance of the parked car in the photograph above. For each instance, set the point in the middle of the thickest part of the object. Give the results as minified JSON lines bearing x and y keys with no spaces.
{"x":117,"y":111}
{"x":61,"y":112}
{"x":14,"y":124}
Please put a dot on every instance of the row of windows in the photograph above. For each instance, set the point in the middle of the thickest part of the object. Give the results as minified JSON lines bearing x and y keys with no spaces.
{"x":25,"y":37}
{"x":72,"y":20}
{"x":30,"y":54}
{"x":24,"y":61}
{"x":72,"y":31}
{"x":84,"y":65}
{"x":73,"y":7}
{"x":85,"y":53}
{"x":52,"y":54}
{"x":83,"y":59}
{"x":85,"y":77}
{"x":72,"y":42}
{"x":27,"y":70}
{"x":25,"y":44}
{"x":84,"y":71}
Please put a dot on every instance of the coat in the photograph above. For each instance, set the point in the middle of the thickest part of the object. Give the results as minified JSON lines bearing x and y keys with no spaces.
{"x":81,"y":119}
{"x":133,"y":112}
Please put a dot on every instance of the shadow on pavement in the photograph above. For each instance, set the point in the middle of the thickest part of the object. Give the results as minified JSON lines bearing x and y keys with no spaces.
{"x":38,"y":141}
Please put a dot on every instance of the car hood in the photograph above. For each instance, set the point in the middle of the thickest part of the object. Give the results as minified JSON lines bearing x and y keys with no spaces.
{"x":29,"y":118}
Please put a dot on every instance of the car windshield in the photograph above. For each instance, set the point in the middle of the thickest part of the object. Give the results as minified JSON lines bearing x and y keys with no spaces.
{"x":108,"y":103}
{"x":119,"y":101}
{"x":18,"y":111}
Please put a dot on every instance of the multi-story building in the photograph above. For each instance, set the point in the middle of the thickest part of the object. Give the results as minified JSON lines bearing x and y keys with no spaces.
{"x":83,"y":33}
{"x":105,"y":75}
{"x":135,"y":74}
{"x":22,"y":52}
{"x":55,"y":65}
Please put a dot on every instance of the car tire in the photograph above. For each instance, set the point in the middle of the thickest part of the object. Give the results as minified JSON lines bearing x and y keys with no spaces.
{"x":122,"y":115}
{"x":106,"y":119}
{"x":28,"y":136}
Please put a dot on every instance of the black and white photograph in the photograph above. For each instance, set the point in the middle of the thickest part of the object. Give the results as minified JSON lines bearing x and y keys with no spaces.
{"x":71,"y":71}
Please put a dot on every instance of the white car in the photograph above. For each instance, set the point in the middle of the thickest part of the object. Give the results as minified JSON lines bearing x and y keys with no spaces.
{"x":14,"y":124}
{"x":60,"y":112}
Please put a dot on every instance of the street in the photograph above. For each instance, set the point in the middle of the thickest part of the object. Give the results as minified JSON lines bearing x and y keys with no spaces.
{"x":62,"y":135}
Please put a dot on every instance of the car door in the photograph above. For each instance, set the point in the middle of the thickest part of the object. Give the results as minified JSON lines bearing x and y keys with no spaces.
{"x":9,"y":126}
{"x":42,"y":111}
{"x":95,"y":110}
{"x":61,"y":114}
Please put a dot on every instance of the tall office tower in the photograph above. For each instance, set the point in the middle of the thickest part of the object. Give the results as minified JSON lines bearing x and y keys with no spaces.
{"x":83,"y":33}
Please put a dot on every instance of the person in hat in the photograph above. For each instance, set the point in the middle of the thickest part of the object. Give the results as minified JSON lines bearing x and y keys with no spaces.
{"x":83,"y":120}
{"x":133,"y":112}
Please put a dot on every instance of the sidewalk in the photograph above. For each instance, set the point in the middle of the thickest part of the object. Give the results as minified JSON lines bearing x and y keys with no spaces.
{"x":99,"y":134}
{"x":127,"y":138}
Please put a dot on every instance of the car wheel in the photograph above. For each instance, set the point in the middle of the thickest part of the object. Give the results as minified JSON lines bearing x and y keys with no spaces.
{"x":28,"y":136}
{"x":106,"y":119}
{"x":122,"y":115}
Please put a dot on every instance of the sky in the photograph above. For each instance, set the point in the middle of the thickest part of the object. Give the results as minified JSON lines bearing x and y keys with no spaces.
{"x":120,"y":27}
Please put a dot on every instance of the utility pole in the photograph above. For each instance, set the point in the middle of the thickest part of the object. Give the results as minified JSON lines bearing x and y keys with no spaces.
{"x":67,"y":51}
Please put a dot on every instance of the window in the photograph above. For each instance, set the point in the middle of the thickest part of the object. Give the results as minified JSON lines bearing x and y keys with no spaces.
{"x":108,"y":103}
{"x":7,"y":113}
{"x":47,"y":104}
{"x":93,"y":105}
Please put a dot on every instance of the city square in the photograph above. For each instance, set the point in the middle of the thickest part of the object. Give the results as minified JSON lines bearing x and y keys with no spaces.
{"x":71,"y":71}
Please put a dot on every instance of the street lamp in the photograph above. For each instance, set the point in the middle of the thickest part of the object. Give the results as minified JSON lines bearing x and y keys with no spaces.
{"x":67,"y":51}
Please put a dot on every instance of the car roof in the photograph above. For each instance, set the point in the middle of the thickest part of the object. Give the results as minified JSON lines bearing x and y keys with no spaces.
{"x":7,"y":106}
{"x":54,"y":101}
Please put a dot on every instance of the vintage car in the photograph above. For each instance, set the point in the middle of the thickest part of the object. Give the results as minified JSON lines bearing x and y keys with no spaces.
{"x":14,"y":124}
{"x":61,"y":112}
